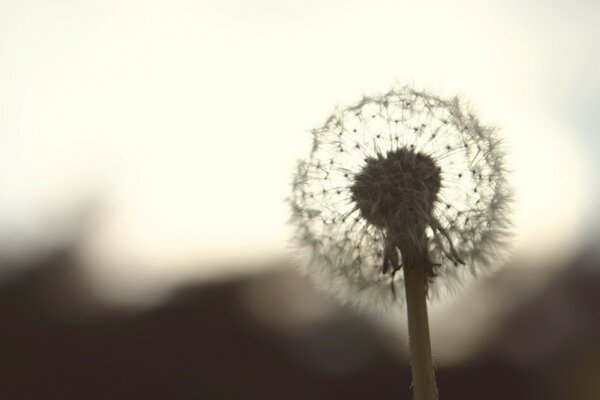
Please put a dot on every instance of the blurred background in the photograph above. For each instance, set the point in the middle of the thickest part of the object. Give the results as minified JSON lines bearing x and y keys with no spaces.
{"x":146,"y":151}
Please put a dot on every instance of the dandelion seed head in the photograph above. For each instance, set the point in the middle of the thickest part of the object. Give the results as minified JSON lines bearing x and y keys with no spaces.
{"x":398,"y":187}
{"x":393,"y":171}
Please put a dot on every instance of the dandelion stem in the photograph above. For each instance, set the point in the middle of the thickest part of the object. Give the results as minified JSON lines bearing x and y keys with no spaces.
{"x":424,"y":387}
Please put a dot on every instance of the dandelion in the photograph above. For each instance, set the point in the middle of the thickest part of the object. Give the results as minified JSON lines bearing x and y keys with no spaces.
{"x":409,"y":182}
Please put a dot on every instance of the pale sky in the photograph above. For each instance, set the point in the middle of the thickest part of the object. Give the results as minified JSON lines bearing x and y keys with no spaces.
{"x":178,"y":122}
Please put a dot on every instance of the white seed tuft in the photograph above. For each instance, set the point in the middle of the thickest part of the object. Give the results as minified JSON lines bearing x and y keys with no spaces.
{"x":468,"y":222}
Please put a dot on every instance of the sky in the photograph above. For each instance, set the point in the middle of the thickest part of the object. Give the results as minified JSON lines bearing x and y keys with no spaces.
{"x":171,"y":128}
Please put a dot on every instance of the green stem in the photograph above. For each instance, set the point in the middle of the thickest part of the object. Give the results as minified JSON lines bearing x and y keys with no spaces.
{"x":424,"y":387}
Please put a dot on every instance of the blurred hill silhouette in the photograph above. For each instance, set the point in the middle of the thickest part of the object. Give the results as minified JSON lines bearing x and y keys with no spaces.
{"x":205,"y":342}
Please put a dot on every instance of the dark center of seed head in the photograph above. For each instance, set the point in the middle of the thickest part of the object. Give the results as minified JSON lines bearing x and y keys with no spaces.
{"x":397,"y":190}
